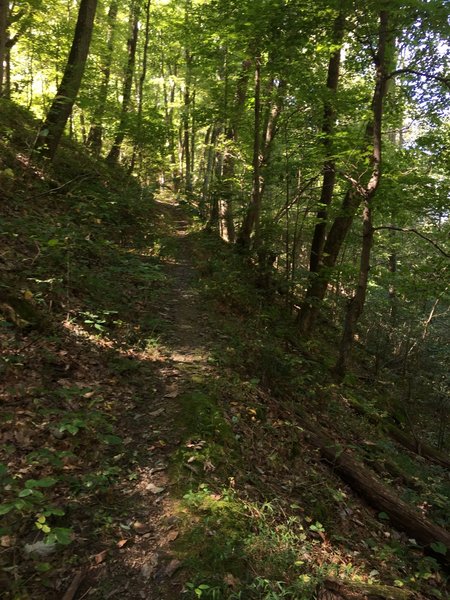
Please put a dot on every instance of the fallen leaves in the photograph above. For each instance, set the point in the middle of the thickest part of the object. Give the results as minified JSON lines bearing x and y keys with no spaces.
{"x":7,"y":541}
{"x":171,"y":536}
{"x":156,"y":413}
{"x":149,"y":567}
{"x":154,"y":489}
{"x":231,"y":580}
{"x":100,"y":557}
{"x":141,"y":528}
{"x":173,"y":566}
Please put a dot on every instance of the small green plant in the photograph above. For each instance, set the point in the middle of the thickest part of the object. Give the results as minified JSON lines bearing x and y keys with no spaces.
{"x":30,"y":500}
{"x":203,"y":590}
{"x":98,"y":322}
{"x":317,"y":527}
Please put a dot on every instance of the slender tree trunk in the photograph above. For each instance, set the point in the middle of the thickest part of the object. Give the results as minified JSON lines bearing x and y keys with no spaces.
{"x":263,"y":149}
{"x":328,"y":125}
{"x":193,"y":134}
{"x":356,"y":305}
{"x":169,"y":99}
{"x":186,"y":128}
{"x":252,"y":216}
{"x":231,"y":139}
{"x":4,"y":10}
{"x":62,"y":105}
{"x":318,"y":285}
{"x":114,"y":153}
{"x":7,"y":84}
{"x":95,"y":137}
{"x":270,"y":128}
{"x":213,"y":221}
{"x":138,"y":146}
{"x":355,"y":195}
{"x":209,"y":168}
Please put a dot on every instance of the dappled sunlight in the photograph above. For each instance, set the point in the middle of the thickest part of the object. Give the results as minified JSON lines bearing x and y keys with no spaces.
{"x":173,"y":467}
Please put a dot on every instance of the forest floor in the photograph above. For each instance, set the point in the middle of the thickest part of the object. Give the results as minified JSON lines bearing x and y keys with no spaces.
{"x":151,"y":392}
{"x":145,"y":567}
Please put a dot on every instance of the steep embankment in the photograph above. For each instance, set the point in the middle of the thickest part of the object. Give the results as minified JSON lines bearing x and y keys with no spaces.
{"x":158,"y":414}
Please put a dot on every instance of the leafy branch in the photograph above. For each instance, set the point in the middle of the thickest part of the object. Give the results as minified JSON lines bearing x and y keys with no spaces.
{"x":411,"y":230}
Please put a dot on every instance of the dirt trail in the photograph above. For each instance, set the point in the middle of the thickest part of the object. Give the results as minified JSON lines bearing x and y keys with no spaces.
{"x":145,"y":567}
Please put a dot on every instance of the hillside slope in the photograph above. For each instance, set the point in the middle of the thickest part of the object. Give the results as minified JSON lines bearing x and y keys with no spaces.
{"x":160,"y":418}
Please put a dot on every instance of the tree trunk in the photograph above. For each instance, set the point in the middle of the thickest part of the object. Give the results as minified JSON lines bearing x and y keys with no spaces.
{"x":354,"y":590}
{"x":95,"y":137}
{"x":318,"y":285}
{"x":261,"y":157}
{"x":214,"y":213}
{"x":209,"y":170}
{"x":418,"y":447}
{"x":328,"y":125}
{"x":401,"y":515}
{"x":138,"y":146}
{"x":338,"y":232}
{"x":4,"y":10}
{"x":51,"y":131}
{"x":356,"y":305}
{"x":114,"y":153}
{"x":186,"y":124}
{"x":169,"y":99}
{"x":232,"y":135}
{"x":252,"y":216}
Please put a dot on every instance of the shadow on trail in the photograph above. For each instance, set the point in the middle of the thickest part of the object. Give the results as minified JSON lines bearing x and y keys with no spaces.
{"x":98,"y":413}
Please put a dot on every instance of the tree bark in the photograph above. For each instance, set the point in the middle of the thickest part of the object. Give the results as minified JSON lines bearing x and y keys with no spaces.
{"x":252,"y":214}
{"x":410,"y":442}
{"x":231,"y":136}
{"x":4,"y":10}
{"x":186,"y":123}
{"x":138,"y":145}
{"x":418,"y":447}
{"x":169,"y":99}
{"x":328,"y":125}
{"x":95,"y":136}
{"x":209,"y":169}
{"x":51,"y":131}
{"x":356,"y":305}
{"x":114,"y":153}
{"x":352,"y":590}
{"x":318,"y":285}
{"x":401,"y":515}
{"x":270,"y":127}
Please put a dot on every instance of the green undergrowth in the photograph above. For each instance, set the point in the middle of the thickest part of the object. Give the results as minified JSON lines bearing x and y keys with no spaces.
{"x":261,"y":517}
{"x":85,"y":257}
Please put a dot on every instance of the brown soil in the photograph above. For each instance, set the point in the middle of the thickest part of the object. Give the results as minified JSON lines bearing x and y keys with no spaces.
{"x":145,"y":567}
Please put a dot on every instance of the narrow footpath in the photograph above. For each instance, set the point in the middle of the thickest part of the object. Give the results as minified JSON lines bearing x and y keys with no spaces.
{"x":144,"y":566}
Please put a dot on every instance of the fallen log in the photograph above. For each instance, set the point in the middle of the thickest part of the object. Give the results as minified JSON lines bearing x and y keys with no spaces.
{"x":401,"y":437}
{"x":364,"y":482}
{"x":417,"y":446}
{"x":351,"y":590}
{"x":387,"y":467}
